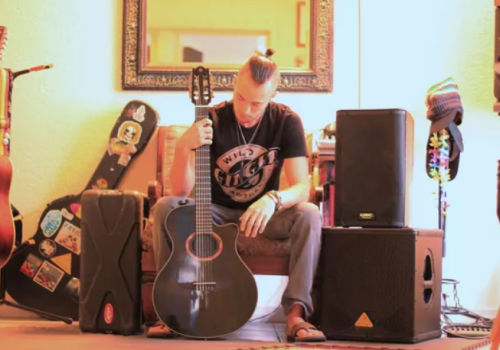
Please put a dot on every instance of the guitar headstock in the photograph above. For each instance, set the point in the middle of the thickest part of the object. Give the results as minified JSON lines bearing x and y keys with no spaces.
{"x":199,"y":86}
{"x":4,"y":36}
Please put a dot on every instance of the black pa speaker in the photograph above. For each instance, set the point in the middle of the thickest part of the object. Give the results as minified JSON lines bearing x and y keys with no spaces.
{"x":381,"y":284}
{"x":373,"y":168}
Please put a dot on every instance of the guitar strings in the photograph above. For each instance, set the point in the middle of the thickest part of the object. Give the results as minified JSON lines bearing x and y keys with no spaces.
{"x":200,"y":207}
{"x":197,"y":211}
{"x":204,"y":237}
{"x":209,"y":211}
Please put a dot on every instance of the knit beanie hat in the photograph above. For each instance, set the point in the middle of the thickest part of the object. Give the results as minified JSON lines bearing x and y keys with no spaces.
{"x":445,"y":111}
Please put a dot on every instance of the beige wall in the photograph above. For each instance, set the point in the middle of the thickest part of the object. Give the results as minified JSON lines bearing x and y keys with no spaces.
{"x":404,"y":50}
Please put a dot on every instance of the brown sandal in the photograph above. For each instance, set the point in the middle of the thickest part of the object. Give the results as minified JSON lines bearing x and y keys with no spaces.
{"x":305,"y":326}
{"x":159,"y":330}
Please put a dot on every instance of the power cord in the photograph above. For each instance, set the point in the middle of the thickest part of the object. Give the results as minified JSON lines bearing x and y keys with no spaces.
{"x":266,"y":315}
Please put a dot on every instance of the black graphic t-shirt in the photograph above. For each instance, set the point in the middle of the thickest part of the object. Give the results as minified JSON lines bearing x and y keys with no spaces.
{"x":242,"y":173}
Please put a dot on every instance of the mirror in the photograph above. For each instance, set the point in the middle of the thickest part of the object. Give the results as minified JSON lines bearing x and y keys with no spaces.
{"x":164,"y":39}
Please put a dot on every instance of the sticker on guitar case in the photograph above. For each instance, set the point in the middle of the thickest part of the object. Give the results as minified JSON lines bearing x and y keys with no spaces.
{"x":123,"y":145}
{"x":73,"y":288}
{"x":31,"y":265}
{"x":67,"y":214}
{"x":51,"y":223}
{"x":49,"y":276}
{"x":64,"y":262}
{"x":75,"y":208}
{"x":139,"y":114}
{"x":101,"y":184}
{"x":69,"y":237}
{"x":47,"y":248}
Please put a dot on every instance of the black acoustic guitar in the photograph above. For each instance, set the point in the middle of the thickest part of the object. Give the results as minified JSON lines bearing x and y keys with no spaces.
{"x":44,"y":271}
{"x":204,"y":290}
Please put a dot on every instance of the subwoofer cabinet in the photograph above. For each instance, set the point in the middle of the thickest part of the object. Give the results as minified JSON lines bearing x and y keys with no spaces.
{"x":381,"y":284}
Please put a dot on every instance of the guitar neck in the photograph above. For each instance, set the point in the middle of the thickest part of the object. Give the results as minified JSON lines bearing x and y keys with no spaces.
{"x":203,"y":193}
{"x":6,"y":79}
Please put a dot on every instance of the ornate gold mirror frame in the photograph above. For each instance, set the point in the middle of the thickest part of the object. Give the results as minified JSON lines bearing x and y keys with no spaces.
{"x":136,"y":76}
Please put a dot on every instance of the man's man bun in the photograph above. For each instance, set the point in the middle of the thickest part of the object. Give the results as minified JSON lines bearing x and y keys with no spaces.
{"x":269,"y":53}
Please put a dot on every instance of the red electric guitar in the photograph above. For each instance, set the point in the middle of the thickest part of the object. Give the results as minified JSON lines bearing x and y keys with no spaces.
{"x":7,"y":229}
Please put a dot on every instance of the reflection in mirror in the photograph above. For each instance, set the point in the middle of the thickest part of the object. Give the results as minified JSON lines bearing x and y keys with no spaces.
{"x":164,"y":39}
{"x":226,"y":33}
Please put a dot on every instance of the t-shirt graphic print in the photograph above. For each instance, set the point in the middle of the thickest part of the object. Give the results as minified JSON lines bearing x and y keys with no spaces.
{"x":255,"y":166}
{"x":241,"y":172}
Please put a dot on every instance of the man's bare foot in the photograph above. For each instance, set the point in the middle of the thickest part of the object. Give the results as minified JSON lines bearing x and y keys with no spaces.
{"x":298,"y":330}
{"x":159,"y":330}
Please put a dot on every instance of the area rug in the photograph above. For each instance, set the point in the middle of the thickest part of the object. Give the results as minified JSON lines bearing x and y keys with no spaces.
{"x":479,"y":345}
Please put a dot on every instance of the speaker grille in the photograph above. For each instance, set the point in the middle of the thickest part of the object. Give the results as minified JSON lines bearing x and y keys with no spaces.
{"x":373,"y":151}
{"x":372,"y":274}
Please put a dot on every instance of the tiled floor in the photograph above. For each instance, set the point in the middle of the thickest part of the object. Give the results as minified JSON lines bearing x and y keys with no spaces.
{"x":34,"y":334}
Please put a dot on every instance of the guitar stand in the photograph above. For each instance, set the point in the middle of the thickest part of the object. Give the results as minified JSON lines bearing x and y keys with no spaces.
{"x":40,"y":313}
{"x":478,"y":329}
{"x":458,"y":309}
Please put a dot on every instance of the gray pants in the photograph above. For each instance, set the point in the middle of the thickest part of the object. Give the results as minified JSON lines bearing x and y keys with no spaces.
{"x":302,"y":223}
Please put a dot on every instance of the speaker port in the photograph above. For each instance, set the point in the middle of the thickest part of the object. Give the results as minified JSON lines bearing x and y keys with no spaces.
{"x":428,"y":278}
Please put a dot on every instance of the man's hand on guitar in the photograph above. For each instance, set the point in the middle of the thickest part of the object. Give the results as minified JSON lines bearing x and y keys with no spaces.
{"x":256,"y":217}
{"x":198,"y":134}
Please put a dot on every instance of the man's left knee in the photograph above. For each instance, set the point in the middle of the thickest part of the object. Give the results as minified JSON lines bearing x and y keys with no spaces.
{"x":309,"y":212}
{"x":311,"y":222}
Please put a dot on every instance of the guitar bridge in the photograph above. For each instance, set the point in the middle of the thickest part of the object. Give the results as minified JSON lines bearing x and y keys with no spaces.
{"x":204,"y":285}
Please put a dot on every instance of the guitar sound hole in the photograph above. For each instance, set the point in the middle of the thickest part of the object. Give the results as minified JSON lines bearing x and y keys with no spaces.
{"x":204,"y":246}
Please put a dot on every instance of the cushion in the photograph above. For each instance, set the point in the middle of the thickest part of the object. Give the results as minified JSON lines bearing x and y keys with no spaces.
{"x":258,"y":246}
{"x":263,"y":246}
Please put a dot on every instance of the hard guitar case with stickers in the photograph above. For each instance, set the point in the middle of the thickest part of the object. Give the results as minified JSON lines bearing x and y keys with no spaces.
{"x":44,"y":272}
{"x":110,"y":267}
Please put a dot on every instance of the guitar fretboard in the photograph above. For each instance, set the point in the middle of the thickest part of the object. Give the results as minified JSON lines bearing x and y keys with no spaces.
{"x":203,"y":194}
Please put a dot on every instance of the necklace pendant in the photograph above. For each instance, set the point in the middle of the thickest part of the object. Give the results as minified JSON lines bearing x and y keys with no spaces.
{"x":243,"y":136}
